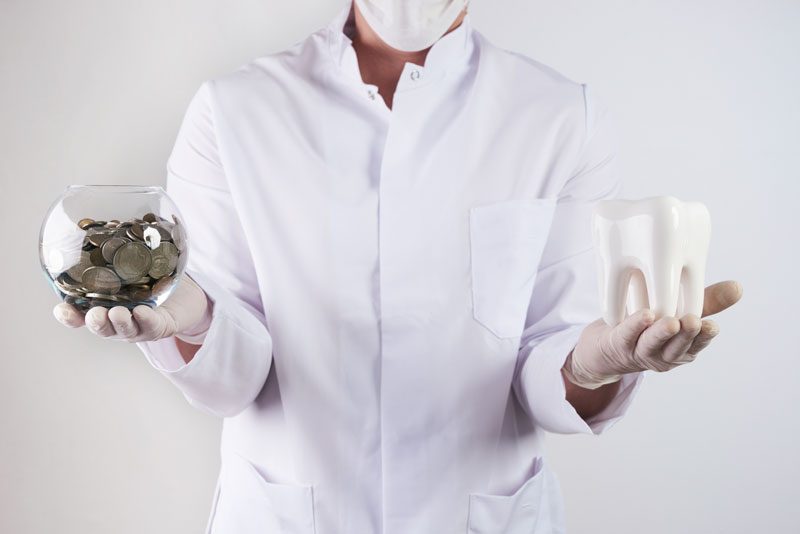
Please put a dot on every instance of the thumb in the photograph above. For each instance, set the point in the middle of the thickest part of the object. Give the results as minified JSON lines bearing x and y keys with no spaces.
{"x":154,"y":323}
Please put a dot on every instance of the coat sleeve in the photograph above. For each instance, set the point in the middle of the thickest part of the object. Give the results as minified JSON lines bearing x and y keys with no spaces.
{"x":231,"y":367}
{"x":565,"y":297}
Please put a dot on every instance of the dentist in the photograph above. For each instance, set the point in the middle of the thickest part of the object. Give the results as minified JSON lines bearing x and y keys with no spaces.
{"x":391,"y":291}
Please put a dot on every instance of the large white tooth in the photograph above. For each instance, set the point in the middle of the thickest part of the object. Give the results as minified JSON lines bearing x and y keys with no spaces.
{"x":652,"y":253}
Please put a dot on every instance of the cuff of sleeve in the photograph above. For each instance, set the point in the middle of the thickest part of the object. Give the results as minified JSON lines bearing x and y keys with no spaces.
{"x":163,"y":354}
{"x":546,"y":396}
{"x":230,"y":367}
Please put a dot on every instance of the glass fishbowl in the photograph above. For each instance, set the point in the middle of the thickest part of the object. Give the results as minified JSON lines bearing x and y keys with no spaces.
{"x":113,"y":245}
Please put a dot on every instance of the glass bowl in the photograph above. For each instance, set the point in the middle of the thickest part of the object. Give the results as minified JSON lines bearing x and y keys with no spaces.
{"x":113,"y":245}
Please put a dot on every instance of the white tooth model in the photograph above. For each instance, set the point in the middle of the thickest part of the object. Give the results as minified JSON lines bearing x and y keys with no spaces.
{"x":651,"y":252}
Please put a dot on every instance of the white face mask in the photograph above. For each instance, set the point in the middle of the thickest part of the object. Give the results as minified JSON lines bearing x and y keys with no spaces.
{"x":410,"y":25}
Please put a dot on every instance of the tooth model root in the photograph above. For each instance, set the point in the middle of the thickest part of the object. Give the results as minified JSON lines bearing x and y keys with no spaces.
{"x":651,"y":253}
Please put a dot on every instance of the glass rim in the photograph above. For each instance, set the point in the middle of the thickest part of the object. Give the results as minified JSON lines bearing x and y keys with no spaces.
{"x":117,"y":187}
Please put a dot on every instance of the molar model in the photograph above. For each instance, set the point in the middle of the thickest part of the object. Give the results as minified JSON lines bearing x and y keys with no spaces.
{"x":651,"y":252}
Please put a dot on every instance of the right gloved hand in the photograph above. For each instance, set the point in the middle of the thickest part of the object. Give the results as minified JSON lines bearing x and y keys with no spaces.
{"x":186,"y":311}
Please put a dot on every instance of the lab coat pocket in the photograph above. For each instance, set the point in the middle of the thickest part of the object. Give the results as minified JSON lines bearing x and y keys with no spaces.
{"x":249,"y":504}
{"x":506,"y":243}
{"x":529,"y":510}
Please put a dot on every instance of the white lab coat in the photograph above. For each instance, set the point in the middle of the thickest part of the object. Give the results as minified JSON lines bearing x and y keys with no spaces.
{"x":395,"y":291}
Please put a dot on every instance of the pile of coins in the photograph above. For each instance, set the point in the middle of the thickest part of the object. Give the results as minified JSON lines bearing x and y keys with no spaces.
{"x":124,"y":263}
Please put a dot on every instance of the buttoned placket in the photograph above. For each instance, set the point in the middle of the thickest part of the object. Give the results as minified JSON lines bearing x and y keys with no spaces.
{"x":396,"y":155}
{"x":413,"y":76}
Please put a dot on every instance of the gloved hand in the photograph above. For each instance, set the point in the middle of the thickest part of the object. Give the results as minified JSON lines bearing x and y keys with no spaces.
{"x":186,"y":312}
{"x":604,"y":353}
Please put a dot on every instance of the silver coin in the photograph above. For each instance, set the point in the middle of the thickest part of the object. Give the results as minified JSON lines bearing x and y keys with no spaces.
{"x":64,"y":281}
{"x":101,"y":280}
{"x":111,"y":246}
{"x":98,"y":238}
{"x":76,"y":271}
{"x":132,"y":261}
{"x":165,"y":258}
{"x":178,"y":234}
{"x":73,"y":293}
{"x":165,"y":234}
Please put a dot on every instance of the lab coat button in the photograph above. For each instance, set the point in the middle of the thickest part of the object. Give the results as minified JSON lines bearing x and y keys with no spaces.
{"x":415,"y":75}
{"x":371,"y":94}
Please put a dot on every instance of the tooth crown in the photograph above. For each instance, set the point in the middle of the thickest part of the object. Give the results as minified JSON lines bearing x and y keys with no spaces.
{"x":652,"y":253}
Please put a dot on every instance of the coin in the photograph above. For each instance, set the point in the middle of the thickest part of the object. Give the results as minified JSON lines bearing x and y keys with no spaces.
{"x":101,"y":280}
{"x":73,"y":293}
{"x":165,"y":258}
{"x":96,"y":235}
{"x":76,"y":271}
{"x":136,"y":232}
{"x":129,"y":263}
{"x":96,"y":257}
{"x":163,"y":232}
{"x":132,"y":260}
{"x":67,"y":282}
{"x":178,"y":235}
{"x":110,"y":246}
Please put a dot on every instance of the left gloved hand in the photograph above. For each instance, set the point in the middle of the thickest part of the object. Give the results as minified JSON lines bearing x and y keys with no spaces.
{"x":604,"y":353}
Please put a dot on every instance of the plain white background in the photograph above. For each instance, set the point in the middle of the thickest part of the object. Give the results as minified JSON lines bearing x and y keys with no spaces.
{"x":705,"y":99}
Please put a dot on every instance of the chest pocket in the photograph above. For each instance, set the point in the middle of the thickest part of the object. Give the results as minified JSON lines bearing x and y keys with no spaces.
{"x":506,"y":243}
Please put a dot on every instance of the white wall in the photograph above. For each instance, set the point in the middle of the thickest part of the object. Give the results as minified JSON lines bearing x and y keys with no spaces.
{"x":705,"y":97}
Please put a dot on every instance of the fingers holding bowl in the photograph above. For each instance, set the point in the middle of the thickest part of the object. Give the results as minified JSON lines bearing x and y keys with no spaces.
{"x":98,"y":323}
{"x":122,"y":321}
{"x":68,"y":315}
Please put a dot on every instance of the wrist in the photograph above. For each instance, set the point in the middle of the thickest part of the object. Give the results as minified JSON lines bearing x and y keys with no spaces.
{"x":196,"y":333}
{"x":577,"y":374}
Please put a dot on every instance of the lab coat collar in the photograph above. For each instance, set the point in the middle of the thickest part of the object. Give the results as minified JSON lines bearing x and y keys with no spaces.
{"x":446,"y":53}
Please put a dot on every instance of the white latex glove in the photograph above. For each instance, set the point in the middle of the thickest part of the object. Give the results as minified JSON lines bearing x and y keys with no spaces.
{"x":186,"y":312}
{"x":604,"y":353}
